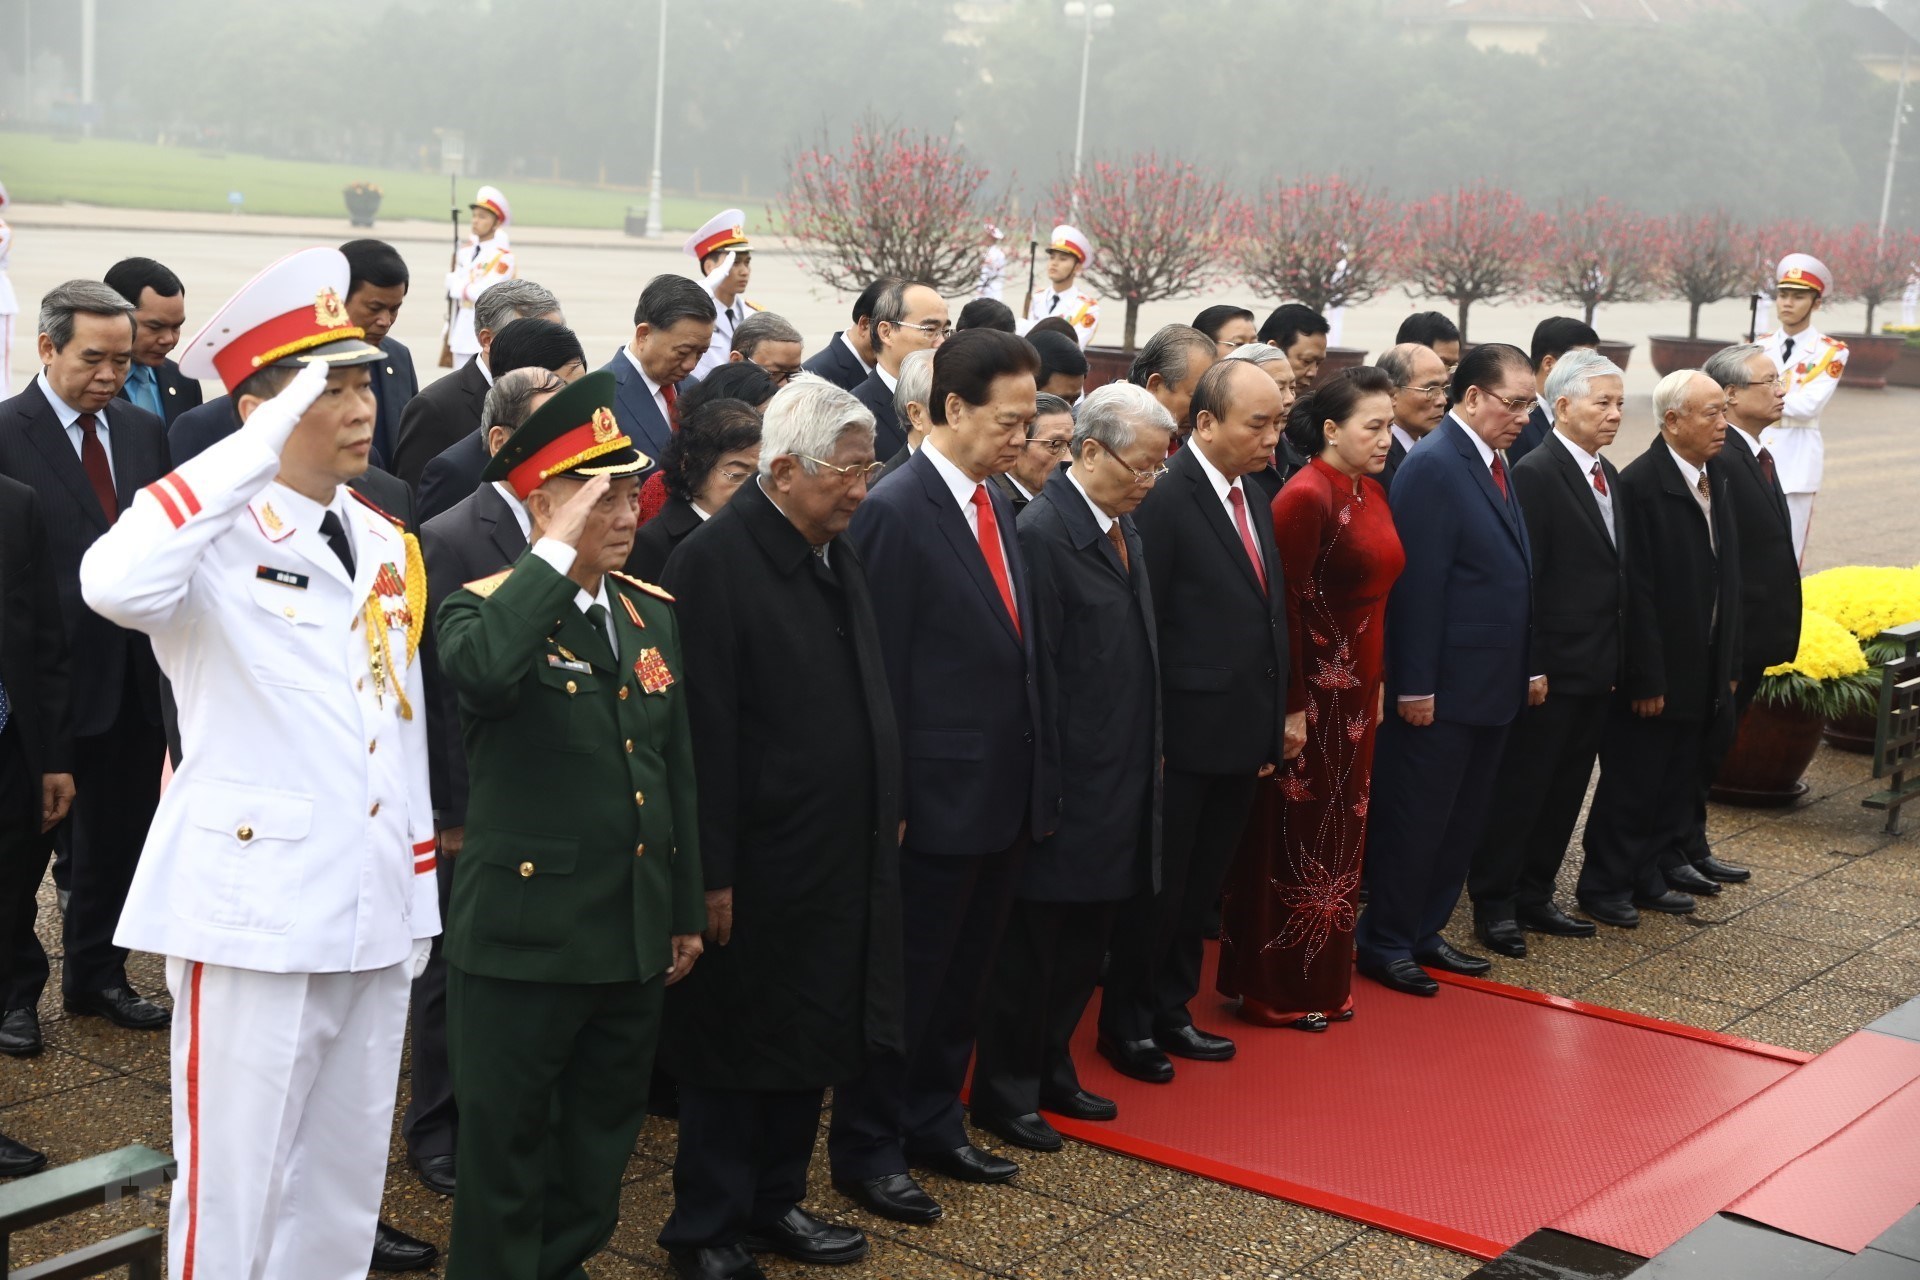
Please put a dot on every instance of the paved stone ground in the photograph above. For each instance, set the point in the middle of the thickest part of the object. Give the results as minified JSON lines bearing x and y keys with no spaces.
{"x":1825,"y":938}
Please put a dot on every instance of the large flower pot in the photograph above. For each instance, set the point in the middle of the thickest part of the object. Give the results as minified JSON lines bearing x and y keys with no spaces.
{"x":1853,"y":733}
{"x":1107,"y":364}
{"x":1769,"y":757}
{"x":1870,"y":358}
{"x":1618,"y":352}
{"x":1339,"y":358}
{"x":1670,"y":354}
{"x":1906,"y":367}
{"x":361,"y":207}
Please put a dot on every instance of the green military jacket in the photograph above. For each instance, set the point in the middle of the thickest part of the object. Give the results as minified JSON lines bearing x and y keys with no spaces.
{"x":582,"y":855}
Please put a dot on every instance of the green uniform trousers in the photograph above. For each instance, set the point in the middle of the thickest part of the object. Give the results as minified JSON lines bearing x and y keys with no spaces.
{"x":550,"y":1080}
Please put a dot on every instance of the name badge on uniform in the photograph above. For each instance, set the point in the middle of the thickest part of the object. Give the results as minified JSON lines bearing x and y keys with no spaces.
{"x":285,"y":577}
{"x":568,"y":663}
{"x":653,"y":672}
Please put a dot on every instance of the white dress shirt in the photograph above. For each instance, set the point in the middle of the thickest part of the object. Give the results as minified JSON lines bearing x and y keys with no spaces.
{"x":70,"y":422}
{"x":888,"y":380}
{"x":1404,"y":436}
{"x":1222,"y":487}
{"x":518,"y":508}
{"x":858,"y":358}
{"x":1587,"y":462}
{"x":1100,"y":517}
{"x":962,"y":486}
{"x":1544,"y":407}
{"x":1752,"y":442}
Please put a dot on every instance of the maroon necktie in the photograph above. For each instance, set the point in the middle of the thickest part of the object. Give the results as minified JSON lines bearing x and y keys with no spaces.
{"x":1599,"y":480}
{"x":1239,"y":501}
{"x":1766,"y":465}
{"x":1119,"y":541}
{"x":1500,"y":475}
{"x":671,"y":395}
{"x":93,"y":458}
{"x":989,"y":535}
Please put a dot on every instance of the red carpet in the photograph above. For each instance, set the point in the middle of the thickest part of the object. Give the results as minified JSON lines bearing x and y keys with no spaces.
{"x":1468,"y":1121}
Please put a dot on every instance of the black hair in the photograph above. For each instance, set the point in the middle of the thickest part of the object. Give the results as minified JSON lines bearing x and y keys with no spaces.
{"x":1427,"y":328}
{"x":129,"y":276}
{"x":1291,"y":321}
{"x":966,"y":364}
{"x":1058,"y":355}
{"x":1055,"y":324}
{"x":1215,"y":318}
{"x":708,"y":432}
{"x":1334,"y":400}
{"x":669,"y":299}
{"x":1557,"y":335}
{"x":741,"y":380}
{"x":987,"y":313}
{"x":1483,"y":366}
{"x":533,"y":343}
{"x":264,"y":384}
{"x":864,"y":304}
{"x":374,"y":262}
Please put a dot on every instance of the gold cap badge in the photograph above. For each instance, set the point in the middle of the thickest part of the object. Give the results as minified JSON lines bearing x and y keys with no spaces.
{"x":328,"y":309}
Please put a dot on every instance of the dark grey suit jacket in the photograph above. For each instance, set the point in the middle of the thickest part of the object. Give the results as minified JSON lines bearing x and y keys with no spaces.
{"x":433,"y":420}
{"x":454,"y":474}
{"x":837,"y":364}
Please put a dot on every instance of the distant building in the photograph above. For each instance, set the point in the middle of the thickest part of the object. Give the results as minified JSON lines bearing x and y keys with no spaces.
{"x":1522,"y":26}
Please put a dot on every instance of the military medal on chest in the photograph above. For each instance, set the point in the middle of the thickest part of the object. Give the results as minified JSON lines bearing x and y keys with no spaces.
{"x":652,"y":669}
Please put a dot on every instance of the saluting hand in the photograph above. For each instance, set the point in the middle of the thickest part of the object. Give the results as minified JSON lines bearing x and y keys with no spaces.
{"x":570,"y":520}
{"x":686,"y":949}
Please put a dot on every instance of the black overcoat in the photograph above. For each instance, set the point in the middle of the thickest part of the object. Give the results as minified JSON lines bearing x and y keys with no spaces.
{"x":799,"y":765}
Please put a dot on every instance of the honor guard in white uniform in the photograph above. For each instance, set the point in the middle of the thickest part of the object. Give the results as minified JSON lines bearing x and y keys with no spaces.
{"x":484,"y":261}
{"x":726,"y":264}
{"x":289,"y":875}
{"x":1067,"y":256}
{"x":993,"y":265}
{"x":9,"y":305}
{"x":1811,"y":363}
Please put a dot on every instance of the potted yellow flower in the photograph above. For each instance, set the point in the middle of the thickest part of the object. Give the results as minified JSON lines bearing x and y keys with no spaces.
{"x":1828,"y":678}
{"x":363,"y":202}
{"x":1866,"y":600}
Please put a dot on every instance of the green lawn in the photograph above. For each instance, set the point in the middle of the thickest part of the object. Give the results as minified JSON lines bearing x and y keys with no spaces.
{"x":134,"y":175}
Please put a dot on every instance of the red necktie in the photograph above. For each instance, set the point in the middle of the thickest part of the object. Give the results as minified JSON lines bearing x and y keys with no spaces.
{"x":988,"y":531}
{"x":671,"y":395}
{"x":93,"y":457}
{"x":1500,"y":474}
{"x":1599,"y":480}
{"x":1766,"y":465}
{"x":1239,"y":501}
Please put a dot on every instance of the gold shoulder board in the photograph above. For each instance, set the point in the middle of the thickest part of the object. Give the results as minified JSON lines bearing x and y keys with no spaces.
{"x":484,"y":587}
{"x":647,"y":587}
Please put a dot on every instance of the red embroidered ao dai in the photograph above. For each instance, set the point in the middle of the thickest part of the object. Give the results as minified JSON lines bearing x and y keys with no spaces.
{"x":1286,"y":937}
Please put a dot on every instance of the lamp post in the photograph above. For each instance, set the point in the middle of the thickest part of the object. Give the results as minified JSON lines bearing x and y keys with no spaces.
{"x":1089,"y":14}
{"x":659,"y":115}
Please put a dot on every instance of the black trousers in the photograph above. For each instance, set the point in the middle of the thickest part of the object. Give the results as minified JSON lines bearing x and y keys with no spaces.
{"x":1431,"y":789}
{"x":23,"y":861}
{"x":1644,"y":805}
{"x":116,"y":776}
{"x":1043,"y":980}
{"x":741,"y":1163}
{"x":1714,"y":746}
{"x":1159,"y":939}
{"x":431,"y":1122}
{"x":953,"y":910}
{"x":1537,"y":794}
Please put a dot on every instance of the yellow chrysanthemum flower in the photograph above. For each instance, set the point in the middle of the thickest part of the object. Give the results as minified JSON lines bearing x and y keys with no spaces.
{"x":1827,"y":651}
{"x":1865,"y":599}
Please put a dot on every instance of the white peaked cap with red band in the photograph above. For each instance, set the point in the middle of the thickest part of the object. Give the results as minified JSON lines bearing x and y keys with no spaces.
{"x":294,"y":312}
{"x":494,"y":201}
{"x":1804,"y":271}
{"x":726,"y":229}
{"x":1068,"y":239}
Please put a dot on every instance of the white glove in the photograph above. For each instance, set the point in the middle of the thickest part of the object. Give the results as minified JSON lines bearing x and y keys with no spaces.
{"x":422,"y":952}
{"x":719,"y":273}
{"x":276,"y":419}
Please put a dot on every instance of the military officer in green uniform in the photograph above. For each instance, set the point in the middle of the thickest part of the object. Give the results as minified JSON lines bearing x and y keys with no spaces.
{"x":579,"y":896}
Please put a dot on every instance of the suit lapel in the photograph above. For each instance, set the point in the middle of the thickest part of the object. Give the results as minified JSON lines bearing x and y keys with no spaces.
{"x":1215,"y":517}
{"x":1582,"y":489}
{"x":51,"y":439}
{"x":966,"y":547}
{"x":126,"y":468}
{"x":504,"y":529}
{"x":650,"y":429}
{"x":1508,"y":510}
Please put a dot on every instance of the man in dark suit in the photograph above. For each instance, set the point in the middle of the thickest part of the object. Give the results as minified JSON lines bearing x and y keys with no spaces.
{"x":375,"y":291}
{"x":956,"y":621}
{"x":1456,"y":672}
{"x":36,"y":771}
{"x":1552,"y":339}
{"x":907,"y":316}
{"x":154,"y":382}
{"x":1100,"y":666}
{"x":910,"y":403}
{"x":849,"y":355}
{"x":1049,"y":437}
{"x":1220,"y":609}
{"x":1569,"y":497}
{"x":1419,"y":400}
{"x":450,"y":408}
{"x":672,"y":328}
{"x":1683,"y":645}
{"x":87,"y":454}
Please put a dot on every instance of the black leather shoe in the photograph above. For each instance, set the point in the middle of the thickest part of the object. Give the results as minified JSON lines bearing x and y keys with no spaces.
{"x":435,"y":1173}
{"x":17,"y":1158}
{"x":1670,"y":902}
{"x":1684,"y":879}
{"x":893,"y":1195}
{"x":1402,"y":975}
{"x":1448,"y":959}
{"x":395,"y":1250}
{"x":1140,"y":1059}
{"x":122,"y":1006}
{"x":1503,"y":938}
{"x":728,"y":1262}
{"x":1030,"y":1131}
{"x":804,"y":1238}
{"x":1191,"y":1042}
{"x":1621,"y":915}
{"x":1082,"y":1105}
{"x":20,"y":1033}
{"x":965,"y":1164}
{"x":1725,"y":872}
{"x":1550,"y":919}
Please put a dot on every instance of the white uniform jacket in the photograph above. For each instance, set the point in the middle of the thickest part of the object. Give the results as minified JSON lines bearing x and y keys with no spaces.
{"x":1812,"y":371}
{"x":1075,"y":305}
{"x":297,"y":836}
{"x":482,"y":264}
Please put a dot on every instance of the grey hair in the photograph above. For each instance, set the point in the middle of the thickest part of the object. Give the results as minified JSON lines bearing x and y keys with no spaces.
{"x":1046,"y":405}
{"x":512,"y":300}
{"x":762,"y":326}
{"x":1166,"y":354}
{"x":1574,"y":372}
{"x":1397,"y":362}
{"x":79,"y":297}
{"x":1115,"y":414}
{"x":1728,"y":365}
{"x":1256,"y":353}
{"x":1671,"y":393}
{"x":915,"y":385}
{"x":806,"y":418}
{"x":891,"y":306}
{"x":509,"y":400}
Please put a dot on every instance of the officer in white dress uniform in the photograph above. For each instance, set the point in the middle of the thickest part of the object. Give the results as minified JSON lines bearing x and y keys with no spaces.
{"x":726,"y":264}
{"x":1811,"y":362}
{"x":1068,"y":253}
{"x":484,"y":261}
{"x":9,"y":305}
{"x":993,"y":264}
{"x":289,"y":875}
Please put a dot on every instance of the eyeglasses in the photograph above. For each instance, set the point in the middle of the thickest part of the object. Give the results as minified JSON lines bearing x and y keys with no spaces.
{"x":734,"y":475}
{"x":1434,"y":391}
{"x":1519,"y":404}
{"x":1139,"y":477}
{"x":1772,"y":384}
{"x":932,"y":328}
{"x":781,"y":377}
{"x":1054,"y":448}
{"x":868,"y":471}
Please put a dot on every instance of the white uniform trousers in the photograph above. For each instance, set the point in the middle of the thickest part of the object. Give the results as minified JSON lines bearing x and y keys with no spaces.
{"x":283,"y":1089}
{"x":1800,"y":510}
